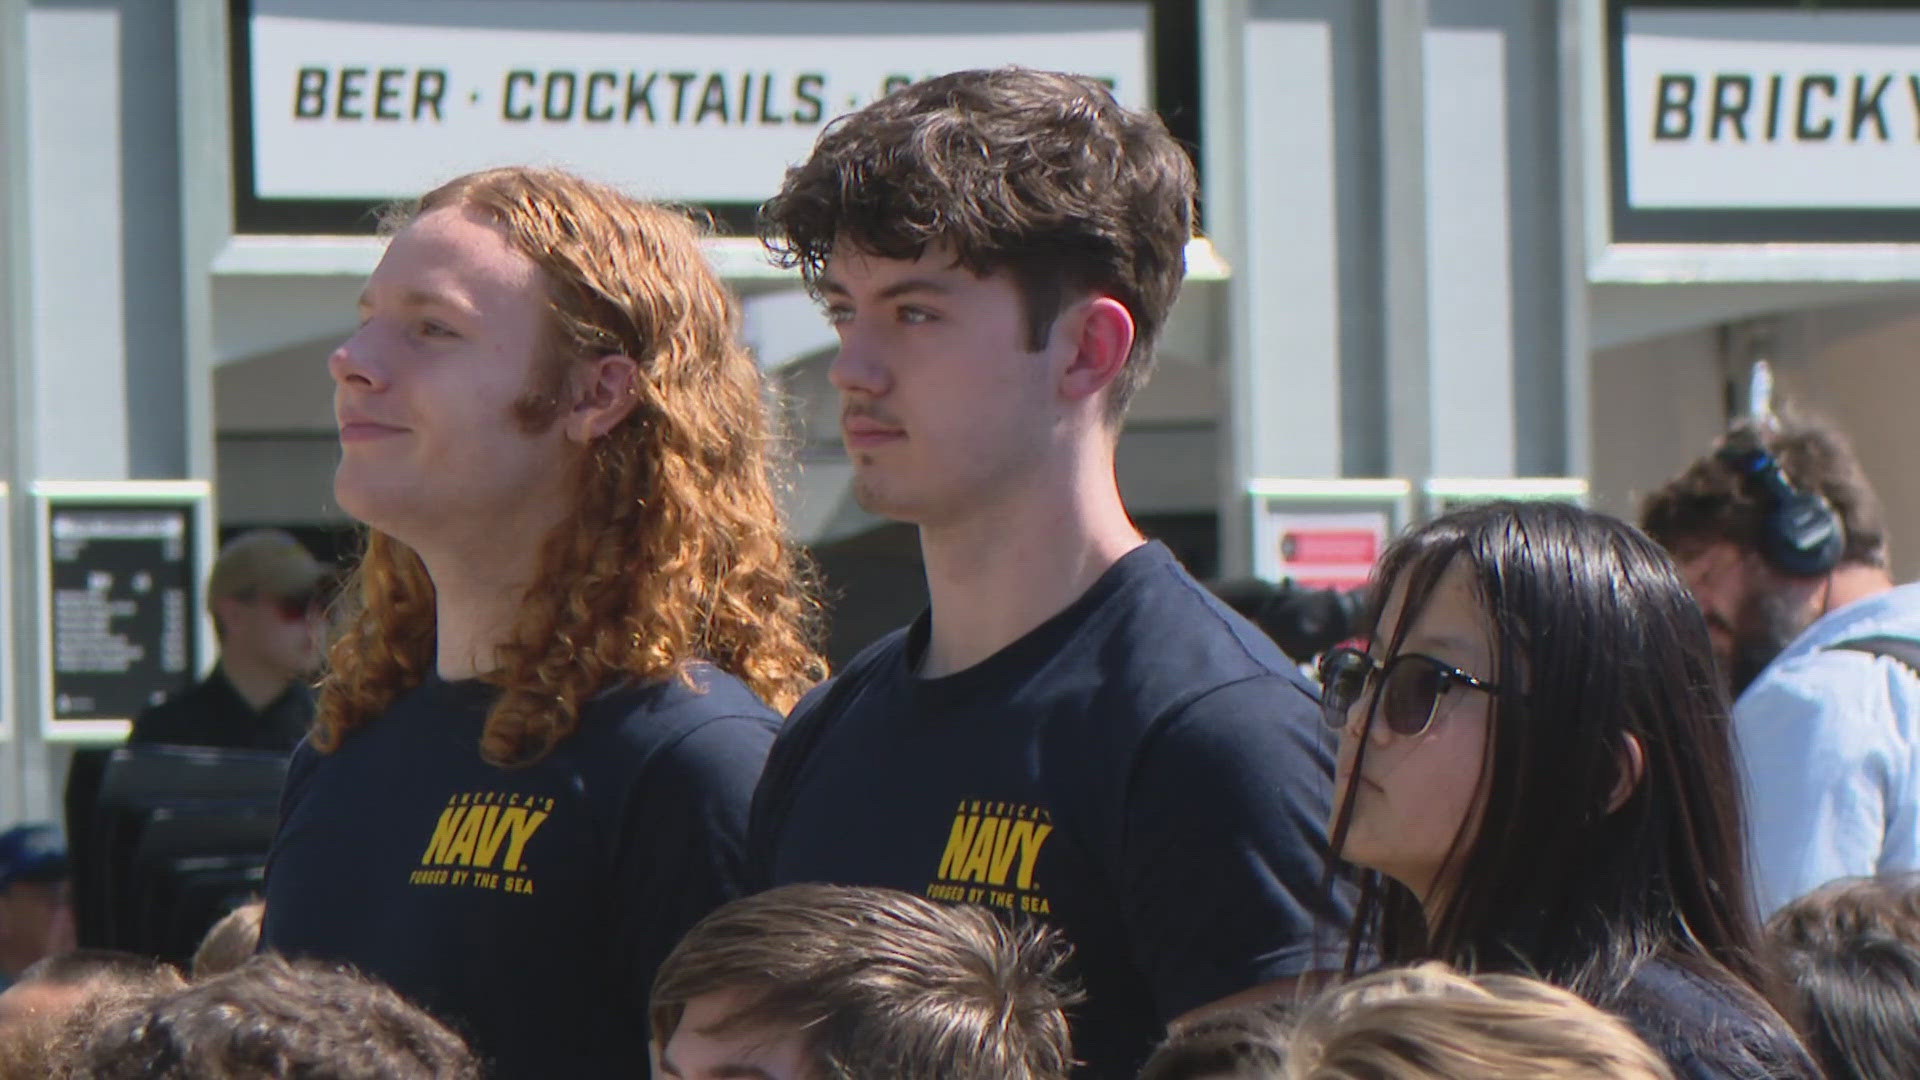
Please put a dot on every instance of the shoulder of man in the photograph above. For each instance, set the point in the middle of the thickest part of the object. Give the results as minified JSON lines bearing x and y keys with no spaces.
{"x":171,"y":715}
{"x":798,"y":737}
{"x":642,"y":720}
{"x":1817,"y":678}
{"x":1174,"y":643}
{"x":834,"y":694}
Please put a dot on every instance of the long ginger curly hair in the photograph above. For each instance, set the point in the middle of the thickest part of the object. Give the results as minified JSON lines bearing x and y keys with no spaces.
{"x":676,"y":550}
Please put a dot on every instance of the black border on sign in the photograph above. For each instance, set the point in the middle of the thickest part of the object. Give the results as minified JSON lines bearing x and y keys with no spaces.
{"x":1742,"y":225}
{"x":189,"y":509}
{"x":1173,"y":62}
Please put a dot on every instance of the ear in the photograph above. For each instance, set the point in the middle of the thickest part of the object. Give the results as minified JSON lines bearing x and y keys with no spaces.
{"x":1103,"y":337}
{"x":1631,"y":760}
{"x":605,"y":392}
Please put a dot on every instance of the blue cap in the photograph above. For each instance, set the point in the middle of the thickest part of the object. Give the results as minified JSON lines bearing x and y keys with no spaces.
{"x":33,"y":852}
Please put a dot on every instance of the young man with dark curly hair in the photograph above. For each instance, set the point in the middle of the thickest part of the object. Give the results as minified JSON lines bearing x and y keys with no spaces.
{"x":543,"y":720}
{"x":1076,"y":731}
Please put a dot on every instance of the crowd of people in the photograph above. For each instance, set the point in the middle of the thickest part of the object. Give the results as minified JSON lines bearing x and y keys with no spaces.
{"x":577,"y":798}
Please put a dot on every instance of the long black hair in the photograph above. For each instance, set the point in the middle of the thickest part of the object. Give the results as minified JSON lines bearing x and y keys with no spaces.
{"x":1595,"y":637}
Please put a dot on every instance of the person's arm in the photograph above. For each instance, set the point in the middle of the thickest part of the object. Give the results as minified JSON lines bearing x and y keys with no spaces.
{"x":300,"y":770}
{"x":1225,"y":853}
{"x":683,"y":836}
{"x":1817,"y":742}
{"x":774,"y":791}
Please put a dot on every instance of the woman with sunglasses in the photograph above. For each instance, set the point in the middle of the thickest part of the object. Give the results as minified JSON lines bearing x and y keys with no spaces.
{"x":1535,"y":775}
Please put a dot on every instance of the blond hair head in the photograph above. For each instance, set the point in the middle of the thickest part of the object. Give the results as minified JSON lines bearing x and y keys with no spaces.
{"x":1429,"y":1022}
{"x":230,"y":942}
{"x":675,"y":551}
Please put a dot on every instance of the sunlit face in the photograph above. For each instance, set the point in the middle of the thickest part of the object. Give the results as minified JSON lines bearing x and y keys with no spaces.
{"x":700,"y":1050}
{"x":944,"y":410}
{"x":1416,"y":793}
{"x":1752,"y":614}
{"x":1719,"y":578}
{"x":452,"y":328}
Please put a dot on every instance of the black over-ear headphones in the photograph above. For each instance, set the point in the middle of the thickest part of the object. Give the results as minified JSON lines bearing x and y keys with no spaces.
{"x":1801,"y":533}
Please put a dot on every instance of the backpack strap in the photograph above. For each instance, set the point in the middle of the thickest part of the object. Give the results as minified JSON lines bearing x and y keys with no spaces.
{"x":1904,"y":650}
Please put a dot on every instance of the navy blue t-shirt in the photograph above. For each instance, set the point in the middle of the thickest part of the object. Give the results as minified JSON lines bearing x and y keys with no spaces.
{"x":529,"y":908}
{"x":1145,"y":771}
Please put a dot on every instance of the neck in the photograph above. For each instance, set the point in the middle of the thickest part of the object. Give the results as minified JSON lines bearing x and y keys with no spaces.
{"x":1433,"y":903}
{"x":476,"y":611}
{"x":995,"y":575}
{"x":1855,"y":582}
{"x":480,"y":584}
{"x":257,"y":683}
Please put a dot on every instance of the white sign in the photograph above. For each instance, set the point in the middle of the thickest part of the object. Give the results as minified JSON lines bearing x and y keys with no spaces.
{"x":704,"y":101}
{"x":1325,"y":534}
{"x":1771,"y":108}
{"x":1444,"y":494}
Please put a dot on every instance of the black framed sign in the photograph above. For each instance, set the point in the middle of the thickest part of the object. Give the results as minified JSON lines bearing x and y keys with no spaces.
{"x":340,"y":106}
{"x":120,"y":577}
{"x":1763,"y":122}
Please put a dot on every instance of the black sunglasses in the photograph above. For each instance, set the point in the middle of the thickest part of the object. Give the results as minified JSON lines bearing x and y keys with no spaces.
{"x":1407,"y":688}
{"x":295,"y":608}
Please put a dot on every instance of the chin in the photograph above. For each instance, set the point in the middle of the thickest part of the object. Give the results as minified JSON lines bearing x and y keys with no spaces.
{"x":876,"y":499}
{"x":377,"y":506}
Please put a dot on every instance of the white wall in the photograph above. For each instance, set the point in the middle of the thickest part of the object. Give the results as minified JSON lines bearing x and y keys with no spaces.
{"x":1657,"y":405}
{"x":1857,"y":366}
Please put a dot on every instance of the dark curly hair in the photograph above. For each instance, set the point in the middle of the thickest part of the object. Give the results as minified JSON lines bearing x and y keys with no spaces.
{"x":1038,"y":173}
{"x":1713,"y":501}
{"x":1850,"y":950}
{"x":272,"y":1017}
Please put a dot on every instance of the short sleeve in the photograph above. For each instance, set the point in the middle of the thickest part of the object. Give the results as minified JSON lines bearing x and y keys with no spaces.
{"x":1817,"y":742}
{"x":1225,"y":854}
{"x":774,"y":791}
{"x":300,"y":768}
{"x":682,"y":849}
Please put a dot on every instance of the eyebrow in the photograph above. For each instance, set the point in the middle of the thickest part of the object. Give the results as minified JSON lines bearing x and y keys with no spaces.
{"x":893,"y":291}
{"x":419,"y":298}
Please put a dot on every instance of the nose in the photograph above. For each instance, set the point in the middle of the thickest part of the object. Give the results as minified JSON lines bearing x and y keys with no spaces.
{"x":355,"y":362}
{"x":858,"y":368}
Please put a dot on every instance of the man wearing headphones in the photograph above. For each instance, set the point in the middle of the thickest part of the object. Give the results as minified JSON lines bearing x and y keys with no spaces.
{"x":1782,"y":541}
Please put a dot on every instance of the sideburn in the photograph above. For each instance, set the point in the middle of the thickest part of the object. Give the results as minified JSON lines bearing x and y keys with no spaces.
{"x":538,"y":407}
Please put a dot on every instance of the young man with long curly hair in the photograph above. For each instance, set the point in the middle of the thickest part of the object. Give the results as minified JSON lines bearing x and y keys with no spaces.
{"x":543,"y":719}
{"x":1075,"y":730}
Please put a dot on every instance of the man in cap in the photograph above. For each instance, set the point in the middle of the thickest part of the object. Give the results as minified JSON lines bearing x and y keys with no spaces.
{"x":36,"y":911}
{"x":264,"y":595}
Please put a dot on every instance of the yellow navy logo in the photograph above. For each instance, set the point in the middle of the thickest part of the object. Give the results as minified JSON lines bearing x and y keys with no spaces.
{"x":480,"y":841}
{"x":992,"y":850}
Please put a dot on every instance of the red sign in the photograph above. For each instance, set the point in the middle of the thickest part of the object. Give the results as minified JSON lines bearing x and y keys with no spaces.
{"x":1321,"y":547}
